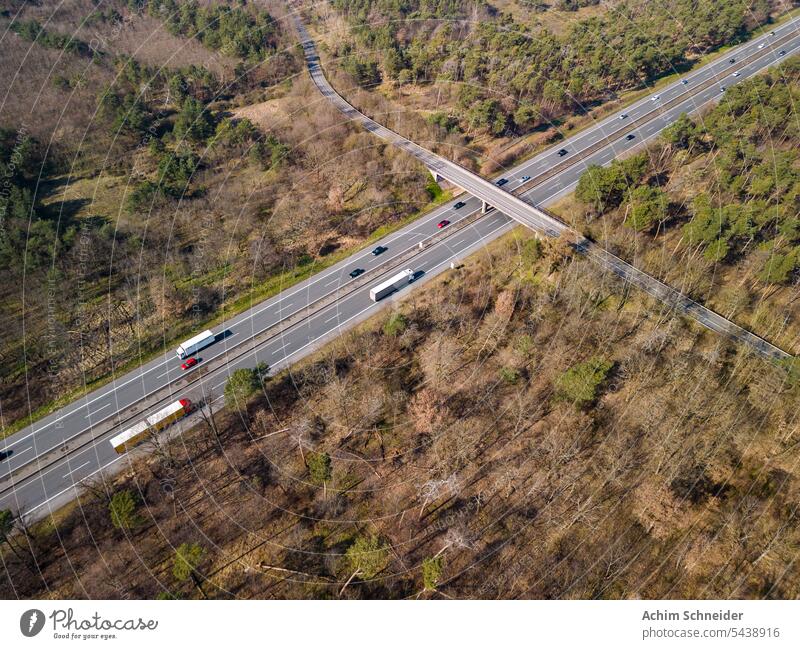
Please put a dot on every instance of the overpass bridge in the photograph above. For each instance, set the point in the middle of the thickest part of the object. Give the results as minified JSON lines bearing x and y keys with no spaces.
{"x":533,"y":217}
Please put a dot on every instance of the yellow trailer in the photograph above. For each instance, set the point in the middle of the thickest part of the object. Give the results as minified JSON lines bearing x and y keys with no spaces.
{"x":156,"y":422}
{"x":131,"y":437}
{"x":164,"y":417}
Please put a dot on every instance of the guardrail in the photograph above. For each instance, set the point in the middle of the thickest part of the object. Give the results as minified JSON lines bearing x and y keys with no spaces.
{"x":662,"y":108}
{"x":169,"y":392}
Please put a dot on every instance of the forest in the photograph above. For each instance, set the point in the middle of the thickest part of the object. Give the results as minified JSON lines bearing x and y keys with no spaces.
{"x":714,"y":205}
{"x":506,"y":72}
{"x":521,"y":427}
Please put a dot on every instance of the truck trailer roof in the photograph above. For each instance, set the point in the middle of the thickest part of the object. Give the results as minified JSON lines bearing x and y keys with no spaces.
{"x":196,"y":339}
{"x":404,"y":275}
{"x":166,"y":411}
{"x":130,"y":433}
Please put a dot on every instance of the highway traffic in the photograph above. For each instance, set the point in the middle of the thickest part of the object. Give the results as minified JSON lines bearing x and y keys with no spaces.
{"x":44,"y":461}
{"x":529,"y":214}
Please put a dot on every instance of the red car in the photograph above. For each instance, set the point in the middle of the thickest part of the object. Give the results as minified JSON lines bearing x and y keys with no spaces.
{"x":191,"y":362}
{"x":442,"y":224}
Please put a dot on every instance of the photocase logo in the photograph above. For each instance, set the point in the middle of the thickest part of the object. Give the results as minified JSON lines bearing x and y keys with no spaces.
{"x":31,"y":622}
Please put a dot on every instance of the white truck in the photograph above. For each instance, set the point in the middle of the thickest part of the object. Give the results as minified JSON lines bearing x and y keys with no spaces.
{"x":189,"y":347}
{"x":391,"y":285}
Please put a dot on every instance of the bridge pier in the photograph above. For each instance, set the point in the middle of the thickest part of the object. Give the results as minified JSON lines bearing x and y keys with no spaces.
{"x":485,"y":207}
{"x":436,"y":176}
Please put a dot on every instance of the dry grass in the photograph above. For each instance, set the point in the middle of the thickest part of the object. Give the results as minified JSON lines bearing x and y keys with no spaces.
{"x":661,"y":488}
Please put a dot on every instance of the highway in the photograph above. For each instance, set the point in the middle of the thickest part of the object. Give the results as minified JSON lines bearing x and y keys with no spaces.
{"x":45,"y":460}
{"x":529,"y":214}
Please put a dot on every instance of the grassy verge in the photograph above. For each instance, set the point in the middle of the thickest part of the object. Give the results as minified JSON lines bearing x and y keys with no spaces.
{"x":287,"y":279}
{"x":265,"y":290}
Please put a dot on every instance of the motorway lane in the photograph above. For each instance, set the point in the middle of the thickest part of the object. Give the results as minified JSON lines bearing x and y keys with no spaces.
{"x":723,"y":74}
{"x":280,"y":351}
{"x":51,"y":432}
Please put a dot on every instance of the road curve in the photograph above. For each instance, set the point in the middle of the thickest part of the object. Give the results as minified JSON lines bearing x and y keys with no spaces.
{"x":534,"y":217}
{"x":32,"y":482}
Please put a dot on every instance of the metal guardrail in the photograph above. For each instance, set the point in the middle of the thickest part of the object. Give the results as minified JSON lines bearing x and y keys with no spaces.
{"x":655,"y":287}
{"x":167,"y":393}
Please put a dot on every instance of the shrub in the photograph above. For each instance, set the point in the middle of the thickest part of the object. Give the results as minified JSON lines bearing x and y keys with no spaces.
{"x":580,"y":383}
{"x":122,"y":509}
{"x":431,"y":572}
{"x":395,"y":325}
{"x":319,"y":467}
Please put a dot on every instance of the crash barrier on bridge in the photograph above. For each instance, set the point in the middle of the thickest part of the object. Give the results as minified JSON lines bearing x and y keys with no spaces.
{"x":653,"y":286}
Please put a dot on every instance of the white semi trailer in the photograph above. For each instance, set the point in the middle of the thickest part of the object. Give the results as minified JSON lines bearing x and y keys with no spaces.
{"x":391,"y":285}
{"x":189,"y":347}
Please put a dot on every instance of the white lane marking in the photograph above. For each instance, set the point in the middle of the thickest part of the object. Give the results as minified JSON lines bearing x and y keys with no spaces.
{"x":112,"y":391}
{"x":73,"y":486}
{"x":91,"y":414}
{"x":139,"y":376}
{"x":375,"y":305}
{"x":371,"y":306}
{"x":24,"y":450}
{"x":546,"y":201}
{"x":335,"y":281}
{"x":315,"y":280}
{"x":335,"y":317}
{"x":69,"y":473}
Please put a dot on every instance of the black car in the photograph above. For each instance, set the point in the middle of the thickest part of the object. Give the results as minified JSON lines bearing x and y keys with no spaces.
{"x":356,"y":272}
{"x":501,"y":182}
{"x":731,"y":60}
{"x":562,"y":152}
{"x":629,"y":136}
{"x":379,"y":250}
{"x":782,"y":53}
{"x":458,"y":205}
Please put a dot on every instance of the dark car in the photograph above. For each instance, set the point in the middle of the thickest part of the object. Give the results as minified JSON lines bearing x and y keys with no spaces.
{"x":562,"y":152}
{"x":4,"y":454}
{"x":501,"y":182}
{"x":443,"y":224}
{"x":629,"y":136}
{"x":525,"y":179}
{"x":458,"y":205}
{"x":379,"y":250}
{"x":684,"y":82}
{"x":356,"y":272}
{"x":782,"y":53}
{"x":731,"y":60}
{"x":190,"y":362}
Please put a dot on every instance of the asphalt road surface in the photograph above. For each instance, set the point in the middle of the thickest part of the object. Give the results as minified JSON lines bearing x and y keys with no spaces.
{"x":29,"y":476}
{"x":730,"y":69}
